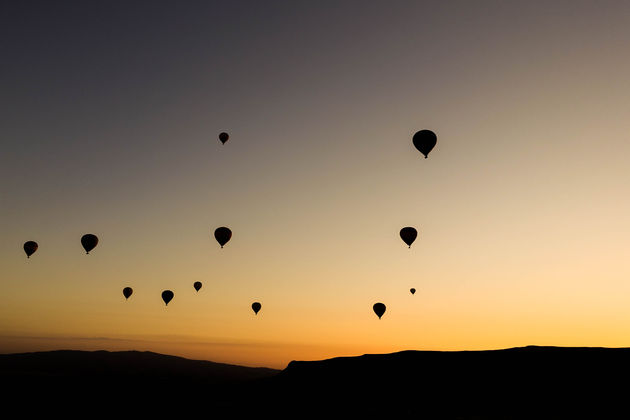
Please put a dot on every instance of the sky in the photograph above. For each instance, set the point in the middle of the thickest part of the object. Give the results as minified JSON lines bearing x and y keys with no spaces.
{"x":110,"y":113}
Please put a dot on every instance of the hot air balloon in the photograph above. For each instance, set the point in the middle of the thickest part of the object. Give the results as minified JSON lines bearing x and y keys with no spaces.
{"x":167,"y":296}
{"x":222,"y":235}
{"x":413,"y":291}
{"x":89,"y":242}
{"x":224,"y":137}
{"x":30,"y":247}
{"x":408,"y":235}
{"x":425,"y":141}
{"x":379,"y":309}
{"x":127,"y":291}
{"x":197,"y":285}
{"x":256,"y":307}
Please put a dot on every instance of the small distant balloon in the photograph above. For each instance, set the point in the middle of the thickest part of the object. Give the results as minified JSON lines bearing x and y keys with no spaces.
{"x":425,"y":141}
{"x":256,"y":307}
{"x":379,"y":309}
{"x":222,"y":235}
{"x":413,"y":291}
{"x":167,"y":296}
{"x":30,"y":247}
{"x":408,"y":235}
{"x":127,"y":291}
{"x":89,"y":242}
{"x":224,"y":137}
{"x":197,"y":285}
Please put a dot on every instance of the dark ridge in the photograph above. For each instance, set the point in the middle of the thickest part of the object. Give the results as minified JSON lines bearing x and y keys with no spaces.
{"x":412,"y":356}
{"x":125,"y":363}
{"x":524,"y":383}
{"x":80,"y":384}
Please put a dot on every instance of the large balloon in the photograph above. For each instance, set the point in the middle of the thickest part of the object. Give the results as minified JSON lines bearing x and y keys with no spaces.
{"x":167,"y":296}
{"x":30,"y":247}
{"x":197,"y":285}
{"x":89,"y":242}
{"x":224,"y":137}
{"x":256,"y":307}
{"x":222,"y":235}
{"x":379,"y":309}
{"x":413,"y":291}
{"x":408,"y":235}
{"x":425,"y":141}
{"x":127,"y":291}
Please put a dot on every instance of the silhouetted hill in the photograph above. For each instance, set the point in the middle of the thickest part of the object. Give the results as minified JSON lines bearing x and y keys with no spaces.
{"x":68,"y":382}
{"x":132,"y":365}
{"x":528,"y":382}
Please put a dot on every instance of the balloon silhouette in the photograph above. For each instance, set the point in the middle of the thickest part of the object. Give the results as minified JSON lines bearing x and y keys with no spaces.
{"x":30,"y":247}
{"x":379,"y":309}
{"x":197,"y":285}
{"x":167,"y":296}
{"x":256,"y":307}
{"x":127,"y":291}
{"x":222,"y":235}
{"x":408,"y":235}
{"x":89,"y":242}
{"x":413,"y":291}
{"x":425,"y":141}
{"x":224,"y":137}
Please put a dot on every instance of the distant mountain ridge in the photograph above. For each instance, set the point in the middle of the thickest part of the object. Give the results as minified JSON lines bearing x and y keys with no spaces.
{"x":418,"y":355}
{"x":124,"y":363}
{"x":524,"y":382}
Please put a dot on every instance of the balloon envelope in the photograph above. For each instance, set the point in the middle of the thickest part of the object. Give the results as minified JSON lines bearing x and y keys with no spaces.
{"x":167,"y":296}
{"x":224,"y":137}
{"x":256,"y":307}
{"x":89,"y":242}
{"x":197,"y":285}
{"x":222,"y":235}
{"x":408,"y":235}
{"x":413,"y":291}
{"x":127,"y":291}
{"x":425,"y":141}
{"x":379,"y":309}
{"x":30,"y":247}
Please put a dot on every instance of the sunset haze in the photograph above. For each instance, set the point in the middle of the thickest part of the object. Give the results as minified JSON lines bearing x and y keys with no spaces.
{"x":110,"y":119}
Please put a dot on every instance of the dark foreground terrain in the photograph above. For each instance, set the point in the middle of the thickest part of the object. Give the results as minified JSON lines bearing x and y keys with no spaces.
{"x":528,"y":382}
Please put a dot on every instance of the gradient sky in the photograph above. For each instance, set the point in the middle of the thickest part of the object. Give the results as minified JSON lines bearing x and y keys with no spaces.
{"x":110,"y":113}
